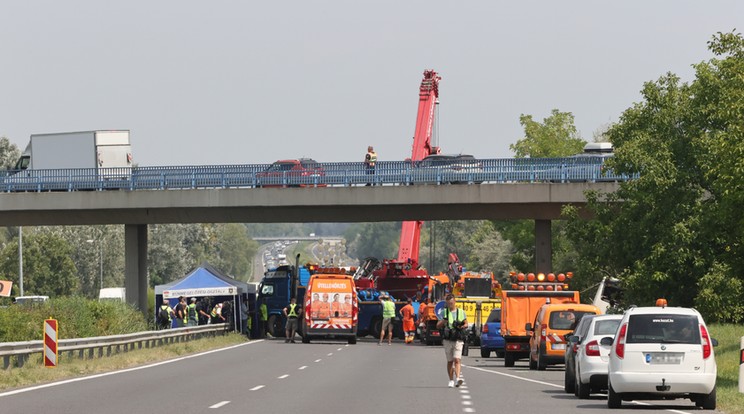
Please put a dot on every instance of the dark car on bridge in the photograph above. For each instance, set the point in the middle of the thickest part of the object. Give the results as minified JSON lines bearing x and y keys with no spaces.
{"x":448,"y":169}
{"x":300,"y":172}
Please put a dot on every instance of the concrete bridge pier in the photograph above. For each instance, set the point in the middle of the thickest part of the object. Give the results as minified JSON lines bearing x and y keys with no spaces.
{"x":135,"y":266}
{"x":543,"y":246}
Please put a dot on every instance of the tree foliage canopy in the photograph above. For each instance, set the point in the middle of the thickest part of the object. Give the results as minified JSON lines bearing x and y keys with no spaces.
{"x":676,"y":231}
{"x":556,"y":136}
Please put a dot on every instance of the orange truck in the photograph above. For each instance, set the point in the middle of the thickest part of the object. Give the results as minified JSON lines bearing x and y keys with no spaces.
{"x":518,"y":310}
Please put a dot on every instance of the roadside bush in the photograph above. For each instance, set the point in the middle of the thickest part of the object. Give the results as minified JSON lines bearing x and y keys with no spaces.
{"x":78,"y":318}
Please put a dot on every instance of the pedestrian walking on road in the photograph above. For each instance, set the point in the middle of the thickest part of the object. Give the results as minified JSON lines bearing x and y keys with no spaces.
{"x":453,"y":325}
{"x":292,"y":312}
{"x":388,"y":314}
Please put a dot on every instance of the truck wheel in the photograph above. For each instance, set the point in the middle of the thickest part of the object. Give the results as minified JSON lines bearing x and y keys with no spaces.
{"x":352,"y":340}
{"x":376,"y":327}
{"x":485,"y":353}
{"x":508,"y":360}
{"x":275,"y":326}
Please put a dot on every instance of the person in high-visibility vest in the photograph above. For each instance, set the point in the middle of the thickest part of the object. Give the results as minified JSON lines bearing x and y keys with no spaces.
{"x":409,"y":327}
{"x":370,"y":159}
{"x":165,"y":314}
{"x":292,"y":312}
{"x":388,"y":314}
{"x":192,"y":315}
{"x":264,"y":315}
{"x":217,"y":314}
{"x":453,"y":324}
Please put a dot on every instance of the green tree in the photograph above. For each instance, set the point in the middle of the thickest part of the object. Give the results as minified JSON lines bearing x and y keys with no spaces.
{"x":680,"y":222}
{"x":379,"y":240}
{"x":489,"y":251}
{"x":236,"y":250}
{"x":556,"y":136}
{"x":9,"y":153}
{"x":48,"y":268}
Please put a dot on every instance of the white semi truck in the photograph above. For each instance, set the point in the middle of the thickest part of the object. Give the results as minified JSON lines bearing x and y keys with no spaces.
{"x":86,"y":149}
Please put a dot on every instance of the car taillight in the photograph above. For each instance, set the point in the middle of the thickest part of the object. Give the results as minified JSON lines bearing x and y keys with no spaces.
{"x":543,"y":329}
{"x":706,"y":342}
{"x":620,"y":344}
{"x":592,"y":348}
{"x":485,"y":328}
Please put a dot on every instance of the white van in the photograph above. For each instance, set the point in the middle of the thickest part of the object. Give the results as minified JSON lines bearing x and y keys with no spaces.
{"x":25,"y":300}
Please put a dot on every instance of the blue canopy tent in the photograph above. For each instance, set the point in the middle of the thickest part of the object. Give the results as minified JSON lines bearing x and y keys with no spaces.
{"x":204,"y":281}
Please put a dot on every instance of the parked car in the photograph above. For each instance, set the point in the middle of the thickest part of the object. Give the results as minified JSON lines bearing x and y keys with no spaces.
{"x":449,"y":169}
{"x":662,"y":353}
{"x":301,"y":172}
{"x":548,"y":332}
{"x":490,"y":338}
{"x":591,"y":359}
{"x":569,"y":379}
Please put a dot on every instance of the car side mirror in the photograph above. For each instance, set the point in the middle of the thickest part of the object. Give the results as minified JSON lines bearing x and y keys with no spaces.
{"x":528,"y":327}
{"x":607,"y":341}
{"x":574,"y":339}
{"x":714,"y":341}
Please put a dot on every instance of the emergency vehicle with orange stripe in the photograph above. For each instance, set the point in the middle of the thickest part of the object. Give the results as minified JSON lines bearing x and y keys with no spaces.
{"x":331,"y":308}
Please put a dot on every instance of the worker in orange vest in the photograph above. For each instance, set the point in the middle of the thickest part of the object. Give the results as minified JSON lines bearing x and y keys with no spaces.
{"x":408,"y":326}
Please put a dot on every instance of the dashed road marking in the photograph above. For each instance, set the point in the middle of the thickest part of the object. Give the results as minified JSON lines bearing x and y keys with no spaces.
{"x":284,"y":376}
{"x":330,"y":354}
{"x":258,"y":387}
{"x":339,"y":349}
{"x":302,"y":367}
{"x":219,"y":404}
{"x":468,"y":410}
{"x":318,"y":360}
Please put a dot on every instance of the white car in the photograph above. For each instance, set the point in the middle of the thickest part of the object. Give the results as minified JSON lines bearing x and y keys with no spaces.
{"x":591,"y":360}
{"x":662,"y":353}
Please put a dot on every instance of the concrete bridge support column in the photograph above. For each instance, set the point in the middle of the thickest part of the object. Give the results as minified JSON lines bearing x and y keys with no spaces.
{"x":543,"y":246}
{"x":135,"y":265}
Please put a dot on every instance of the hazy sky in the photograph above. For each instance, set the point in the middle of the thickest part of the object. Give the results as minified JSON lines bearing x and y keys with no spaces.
{"x":229,"y":82}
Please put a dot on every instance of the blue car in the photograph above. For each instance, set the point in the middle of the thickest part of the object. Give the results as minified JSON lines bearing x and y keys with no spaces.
{"x":491,"y":339}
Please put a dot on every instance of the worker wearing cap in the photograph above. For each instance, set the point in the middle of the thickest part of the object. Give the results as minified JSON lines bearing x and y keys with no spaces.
{"x":193,"y":316}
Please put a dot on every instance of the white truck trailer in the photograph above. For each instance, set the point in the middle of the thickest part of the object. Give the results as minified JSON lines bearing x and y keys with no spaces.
{"x":86,"y":149}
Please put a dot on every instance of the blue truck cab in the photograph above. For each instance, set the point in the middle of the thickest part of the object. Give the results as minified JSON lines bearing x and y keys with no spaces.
{"x":275,"y":290}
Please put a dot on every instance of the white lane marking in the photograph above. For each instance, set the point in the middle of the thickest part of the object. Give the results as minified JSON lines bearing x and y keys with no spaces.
{"x":258,"y":387}
{"x":467,"y":403}
{"x":106,"y":374}
{"x":339,"y":349}
{"x":468,"y":410}
{"x":219,"y":404}
{"x":330,"y":354}
{"x":555,"y":385}
{"x":466,"y":397}
{"x":464,"y":391}
{"x":302,"y":367}
{"x":284,"y":376}
{"x":318,"y":360}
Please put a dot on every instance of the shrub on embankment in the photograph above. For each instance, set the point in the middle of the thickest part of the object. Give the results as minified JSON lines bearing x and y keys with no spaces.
{"x":77,"y":317}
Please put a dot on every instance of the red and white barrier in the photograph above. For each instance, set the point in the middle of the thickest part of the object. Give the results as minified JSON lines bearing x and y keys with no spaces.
{"x":50,"y":343}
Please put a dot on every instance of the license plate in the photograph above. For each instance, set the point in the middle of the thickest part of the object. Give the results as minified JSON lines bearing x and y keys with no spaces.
{"x":664,"y":358}
{"x":559,"y":347}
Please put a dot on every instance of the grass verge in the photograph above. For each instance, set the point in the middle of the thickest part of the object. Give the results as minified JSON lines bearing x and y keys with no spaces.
{"x":34,"y":373}
{"x":730,"y":400}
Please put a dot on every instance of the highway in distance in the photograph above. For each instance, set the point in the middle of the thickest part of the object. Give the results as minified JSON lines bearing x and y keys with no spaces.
{"x":269,"y":376}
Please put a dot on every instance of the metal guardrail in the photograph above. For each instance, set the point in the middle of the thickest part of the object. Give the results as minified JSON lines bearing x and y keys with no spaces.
{"x":108,"y":345}
{"x":503,"y":170}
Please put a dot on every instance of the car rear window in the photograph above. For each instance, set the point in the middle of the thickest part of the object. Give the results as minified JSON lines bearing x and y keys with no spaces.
{"x":606,"y":327}
{"x":494,"y":316}
{"x":566,"y":320}
{"x":281,"y":166}
{"x":661,"y":328}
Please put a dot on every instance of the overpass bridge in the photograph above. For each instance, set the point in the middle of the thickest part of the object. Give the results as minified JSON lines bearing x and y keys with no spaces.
{"x":136,"y":210}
